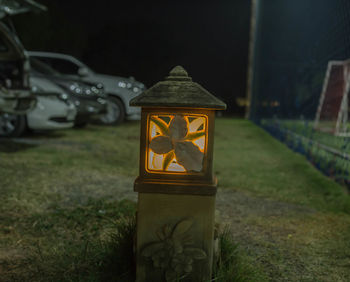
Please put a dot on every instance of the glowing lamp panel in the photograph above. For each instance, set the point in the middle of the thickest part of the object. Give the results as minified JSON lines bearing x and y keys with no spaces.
{"x":176,"y":143}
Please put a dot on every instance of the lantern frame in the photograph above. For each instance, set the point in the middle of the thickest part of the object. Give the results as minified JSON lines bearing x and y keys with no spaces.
{"x":156,"y":162}
{"x":203,"y":182}
{"x":205,"y":173}
{"x":177,"y":95}
{"x":153,"y":181}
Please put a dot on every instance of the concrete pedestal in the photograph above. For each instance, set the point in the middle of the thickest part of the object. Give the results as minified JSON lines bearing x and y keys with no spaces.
{"x":174,"y":237}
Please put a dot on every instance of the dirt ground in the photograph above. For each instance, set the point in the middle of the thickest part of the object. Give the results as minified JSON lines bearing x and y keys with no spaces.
{"x":288,"y":242}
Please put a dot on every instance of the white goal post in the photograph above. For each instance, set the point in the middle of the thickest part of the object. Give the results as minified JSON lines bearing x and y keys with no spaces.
{"x":333,"y":105}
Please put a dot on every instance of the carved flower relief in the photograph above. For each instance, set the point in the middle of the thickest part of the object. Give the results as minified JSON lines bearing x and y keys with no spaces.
{"x":173,"y":253}
{"x":177,"y":145}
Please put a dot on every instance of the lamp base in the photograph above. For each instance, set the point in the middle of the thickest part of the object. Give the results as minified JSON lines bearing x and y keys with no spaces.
{"x":174,"y":237}
{"x":171,"y":187}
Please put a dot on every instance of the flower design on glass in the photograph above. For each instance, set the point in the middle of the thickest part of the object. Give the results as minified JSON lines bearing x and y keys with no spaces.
{"x":177,"y":143}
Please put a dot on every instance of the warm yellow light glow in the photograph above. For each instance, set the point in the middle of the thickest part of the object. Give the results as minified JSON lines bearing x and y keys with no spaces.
{"x":196,"y":123}
{"x":153,"y":130}
{"x":200,"y":142}
{"x":150,"y":159}
{"x":176,"y":167}
{"x":159,"y":126}
{"x":157,"y":161}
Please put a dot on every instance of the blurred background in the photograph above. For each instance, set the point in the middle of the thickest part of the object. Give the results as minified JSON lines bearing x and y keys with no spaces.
{"x":282,"y":64}
{"x":146,"y":39}
{"x":300,"y":78}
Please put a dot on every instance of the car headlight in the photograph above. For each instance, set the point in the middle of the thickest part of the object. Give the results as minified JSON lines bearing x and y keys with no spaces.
{"x":81,"y":89}
{"x":76,"y":88}
{"x":63,"y":96}
{"x":95,"y":90}
{"x":98,"y":89}
{"x":132,"y":86}
{"x":122,"y":84}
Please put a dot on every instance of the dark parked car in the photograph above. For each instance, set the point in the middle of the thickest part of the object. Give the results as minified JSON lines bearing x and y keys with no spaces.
{"x":15,"y":94}
{"x":89,"y":98}
{"x":120,"y":90}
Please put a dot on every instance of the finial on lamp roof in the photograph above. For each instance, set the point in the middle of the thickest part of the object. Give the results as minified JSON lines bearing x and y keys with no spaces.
{"x":178,"y":73}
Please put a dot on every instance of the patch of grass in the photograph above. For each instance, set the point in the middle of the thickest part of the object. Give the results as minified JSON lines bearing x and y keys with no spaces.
{"x":280,"y":206}
{"x":292,"y":133}
{"x":82,"y":244}
{"x":65,"y":198}
{"x":305,"y":128}
{"x":118,"y":262}
{"x":300,"y":247}
{"x":233,"y":265}
{"x":250,"y":160}
{"x":111,"y":258}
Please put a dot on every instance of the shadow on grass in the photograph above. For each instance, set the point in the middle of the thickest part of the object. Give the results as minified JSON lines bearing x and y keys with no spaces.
{"x":44,"y":134}
{"x":12,"y":146}
{"x":28,"y":141}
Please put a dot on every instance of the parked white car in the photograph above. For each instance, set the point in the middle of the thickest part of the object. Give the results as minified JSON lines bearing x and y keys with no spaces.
{"x":119,"y":89}
{"x":53,"y":111}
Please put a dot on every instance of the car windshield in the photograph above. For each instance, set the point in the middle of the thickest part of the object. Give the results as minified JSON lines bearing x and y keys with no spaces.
{"x":62,"y":65}
{"x":42,"y":68}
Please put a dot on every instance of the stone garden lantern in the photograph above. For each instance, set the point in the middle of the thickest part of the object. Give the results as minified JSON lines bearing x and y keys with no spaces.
{"x":176,"y":185}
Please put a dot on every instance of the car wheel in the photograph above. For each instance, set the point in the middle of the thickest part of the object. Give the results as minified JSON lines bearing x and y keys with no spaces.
{"x":115,"y":112}
{"x":12,"y":125}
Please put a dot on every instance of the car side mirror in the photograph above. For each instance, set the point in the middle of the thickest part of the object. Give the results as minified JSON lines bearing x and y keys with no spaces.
{"x":83,"y":71}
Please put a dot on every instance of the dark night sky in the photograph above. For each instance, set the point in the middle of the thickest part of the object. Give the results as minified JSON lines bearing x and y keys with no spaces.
{"x":146,"y":39}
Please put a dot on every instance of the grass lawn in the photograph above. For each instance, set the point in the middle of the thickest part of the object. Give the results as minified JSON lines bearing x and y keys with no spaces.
{"x":64,"y":194}
{"x":328,"y":152}
{"x":305,"y":128}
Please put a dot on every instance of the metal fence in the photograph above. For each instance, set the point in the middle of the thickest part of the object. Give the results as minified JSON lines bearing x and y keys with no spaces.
{"x":300,"y":78}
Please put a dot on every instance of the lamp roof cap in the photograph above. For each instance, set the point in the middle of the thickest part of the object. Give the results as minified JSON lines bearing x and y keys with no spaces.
{"x":179,"y":91}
